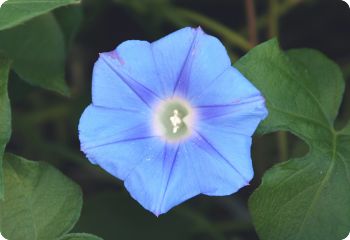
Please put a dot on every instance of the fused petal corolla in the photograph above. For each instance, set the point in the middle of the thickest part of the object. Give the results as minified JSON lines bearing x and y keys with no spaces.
{"x":172,"y":119}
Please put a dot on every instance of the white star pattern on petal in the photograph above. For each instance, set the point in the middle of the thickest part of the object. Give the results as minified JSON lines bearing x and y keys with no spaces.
{"x":347,"y":2}
{"x":2,"y":2}
{"x":347,"y":238}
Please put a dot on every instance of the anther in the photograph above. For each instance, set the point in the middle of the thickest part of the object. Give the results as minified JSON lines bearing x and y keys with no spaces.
{"x":175,"y":121}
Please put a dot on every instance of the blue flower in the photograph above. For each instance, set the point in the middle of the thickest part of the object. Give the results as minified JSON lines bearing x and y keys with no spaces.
{"x":172,"y":119}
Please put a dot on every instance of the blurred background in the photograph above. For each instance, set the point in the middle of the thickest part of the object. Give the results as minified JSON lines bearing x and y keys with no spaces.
{"x":45,"y":123}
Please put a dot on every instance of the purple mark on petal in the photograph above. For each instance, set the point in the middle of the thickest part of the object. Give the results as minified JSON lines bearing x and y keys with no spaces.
{"x":214,"y":111}
{"x":145,"y":94}
{"x":204,"y":144}
{"x":182,"y":83}
{"x":113,"y":54}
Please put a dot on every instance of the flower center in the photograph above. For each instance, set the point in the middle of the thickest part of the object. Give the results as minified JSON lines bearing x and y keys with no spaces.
{"x":173,"y":119}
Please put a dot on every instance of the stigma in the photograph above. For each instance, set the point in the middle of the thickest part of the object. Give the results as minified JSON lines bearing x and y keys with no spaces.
{"x":175,"y":121}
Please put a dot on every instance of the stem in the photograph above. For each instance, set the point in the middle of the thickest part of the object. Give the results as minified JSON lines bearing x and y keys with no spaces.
{"x":282,"y":142}
{"x":283,"y":8}
{"x":251,"y":19}
{"x":273,"y":18}
{"x":43,"y":115}
{"x":196,"y":18}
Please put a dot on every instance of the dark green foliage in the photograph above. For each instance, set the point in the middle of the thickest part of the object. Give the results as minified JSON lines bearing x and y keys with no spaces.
{"x":306,"y":198}
{"x":15,"y":12}
{"x":38,"y":51}
{"x":40,"y":202}
{"x":5,"y":115}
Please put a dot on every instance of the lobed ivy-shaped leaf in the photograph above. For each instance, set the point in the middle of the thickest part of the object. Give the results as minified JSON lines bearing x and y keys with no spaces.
{"x":5,"y":115}
{"x":306,"y":198}
{"x":14,"y":12}
{"x":40,"y":202}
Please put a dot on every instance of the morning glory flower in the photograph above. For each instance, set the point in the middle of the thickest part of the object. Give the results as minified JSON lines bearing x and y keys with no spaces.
{"x":172,"y":119}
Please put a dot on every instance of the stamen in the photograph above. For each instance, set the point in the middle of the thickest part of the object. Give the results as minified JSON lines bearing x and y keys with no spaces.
{"x":175,"y":121}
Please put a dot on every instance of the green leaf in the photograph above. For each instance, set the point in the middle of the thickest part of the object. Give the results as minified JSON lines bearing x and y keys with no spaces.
{"x":14,"y":12}
{"x":80,"y":236}
{"x":40,"y":202}
{"x":5,"y":115}
{"x":306,"y":198}
{"x":120,"y":216}
{"x":38,"y":51}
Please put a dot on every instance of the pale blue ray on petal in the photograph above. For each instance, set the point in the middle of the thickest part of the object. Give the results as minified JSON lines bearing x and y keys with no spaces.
{"x":99,"y":125}
{"x":146,"y":95}
{"x":113,"y":87}
{"x":198,"y":170}
{"x":108,"y":90}
{"x":120,"y":158}
{"x":215,"y":176}
{"x":182,"y":83}
{"x":206,"y":61}
{"x":229,"y":87}
{"x":183,"y":181}
{"x":136,"y":59}
{"x":226,"y":147}
{"x":241,"y":117}
{"x":170,"y":53}
{"x":148,"y":182}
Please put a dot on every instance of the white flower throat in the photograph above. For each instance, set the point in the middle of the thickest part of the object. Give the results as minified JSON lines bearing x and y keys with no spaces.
{"x":173,"y":119}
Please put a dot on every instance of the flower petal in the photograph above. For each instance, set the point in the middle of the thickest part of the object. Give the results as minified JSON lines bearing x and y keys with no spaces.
{"x":116,"y":84}
{"x":170,"y":54}
{"x":186,"y":171}
{"x":183,"y":181}
{"x":148,"y":182}
{"x":137,"y":60}
{"x":188,"y":60}
{"x":241,"y":117}
{"x":115,"y":139}
{"x":229,"y":87}
{"x":197,"y":169}
{"x":206,"y":60}
{"x":226,"y":130}
{"x":235,"y":156}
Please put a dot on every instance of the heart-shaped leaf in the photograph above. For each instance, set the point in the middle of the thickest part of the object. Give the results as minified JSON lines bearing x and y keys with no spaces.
{"x":306,"y":198}
{"x":40,"y":202}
